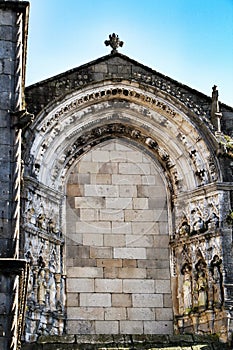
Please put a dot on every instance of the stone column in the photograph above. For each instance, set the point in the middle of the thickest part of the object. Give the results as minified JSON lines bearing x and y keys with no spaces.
{"x":13,"y":35}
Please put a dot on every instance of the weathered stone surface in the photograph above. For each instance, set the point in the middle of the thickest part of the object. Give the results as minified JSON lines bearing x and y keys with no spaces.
{"x":132,"y":342}
{"x":66,"y":339}
{"x":142,"y":243}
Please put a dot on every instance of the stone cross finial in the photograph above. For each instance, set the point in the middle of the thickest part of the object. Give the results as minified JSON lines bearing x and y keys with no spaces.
{"x":114,"y":42}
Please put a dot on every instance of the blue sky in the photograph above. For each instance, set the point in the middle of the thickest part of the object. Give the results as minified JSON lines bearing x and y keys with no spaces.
{"x":189,"y":40}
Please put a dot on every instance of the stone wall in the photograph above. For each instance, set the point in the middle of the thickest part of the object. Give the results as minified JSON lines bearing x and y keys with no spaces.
{"x":13,"y":30}
{"x":117,"y":256}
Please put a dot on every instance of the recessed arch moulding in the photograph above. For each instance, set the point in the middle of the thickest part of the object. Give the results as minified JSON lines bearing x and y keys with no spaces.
{"x":183,"y":146}
{"x":74,"y":123}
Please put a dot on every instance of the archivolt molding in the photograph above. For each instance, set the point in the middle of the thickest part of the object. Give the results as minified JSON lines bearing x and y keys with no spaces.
{"x":159,"y":101}
{"x":65,"y":131}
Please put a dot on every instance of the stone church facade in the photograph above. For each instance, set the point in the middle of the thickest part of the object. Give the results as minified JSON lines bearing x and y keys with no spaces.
{"x":116,"y":207}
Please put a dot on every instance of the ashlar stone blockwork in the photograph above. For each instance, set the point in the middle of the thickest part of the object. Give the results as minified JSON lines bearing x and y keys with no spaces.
{"x":117,"y":235}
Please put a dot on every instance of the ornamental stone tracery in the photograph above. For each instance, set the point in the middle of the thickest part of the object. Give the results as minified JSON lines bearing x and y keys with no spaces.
{"x":126,"y":92}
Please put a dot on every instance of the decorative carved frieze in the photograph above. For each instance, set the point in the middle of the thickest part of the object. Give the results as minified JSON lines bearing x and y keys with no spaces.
{"x":161,"y":117}
{"x":126,"y":93}
{"x":172,"y":89}
{"x":101,"y":133}
{"x":198,"y":216}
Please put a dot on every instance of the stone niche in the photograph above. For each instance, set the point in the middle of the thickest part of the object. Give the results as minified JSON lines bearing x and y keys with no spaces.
{"x":117,"y":243}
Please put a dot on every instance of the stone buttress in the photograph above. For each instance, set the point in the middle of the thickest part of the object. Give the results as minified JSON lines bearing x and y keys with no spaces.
{"x":13,"y":270}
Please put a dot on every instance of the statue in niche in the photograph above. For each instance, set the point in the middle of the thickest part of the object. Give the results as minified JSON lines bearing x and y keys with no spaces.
{"x":202,"y":290}
{"x":40,"y":262}
{"x":213,"y":221}
{"x":40,"y":221}
{"x":201,"y":285}
{"x":53,"y":263}
{"x":52,"y":226}
{"x":52,"y":293}
{"x":31,"y":306}
{"x":29,"y":257}
{"x":187,"y":288}
{"x":198,"y":223}
{"x":31,"y":217}
{"x":184,"y":228}
{"x":30,"y":283}
{"x":42,"y":285}
{"x":215,"y":268}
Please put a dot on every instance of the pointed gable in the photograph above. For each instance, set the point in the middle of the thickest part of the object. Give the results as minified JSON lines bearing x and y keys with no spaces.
{"x":113,"y":67}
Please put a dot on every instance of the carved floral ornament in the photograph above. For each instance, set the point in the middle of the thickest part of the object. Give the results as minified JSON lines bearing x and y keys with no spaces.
{"x":114,"y":42}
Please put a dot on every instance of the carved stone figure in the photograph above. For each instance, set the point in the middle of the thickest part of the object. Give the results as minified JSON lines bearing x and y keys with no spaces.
{"x":184,"y":228}
{"x":198,"y":223}
{"x":213,"y":221}
{"x":41,"y":294}
{"x":52,"y":293}
{"x":51,"y":226}
{"x":217,"y":281}
{"x":40,"y":221}
{"x":187,"y":288}
{"x":202,"y":290}
{"x":151,"y":143}
{"x":215,"y":111}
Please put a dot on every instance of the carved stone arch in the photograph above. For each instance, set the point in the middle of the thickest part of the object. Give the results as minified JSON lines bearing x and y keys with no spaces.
{"x":77,"y":124}
{"x":61,"y":125}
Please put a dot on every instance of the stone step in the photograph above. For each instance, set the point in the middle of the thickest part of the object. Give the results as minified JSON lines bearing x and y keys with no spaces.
{"x":127,"y":342}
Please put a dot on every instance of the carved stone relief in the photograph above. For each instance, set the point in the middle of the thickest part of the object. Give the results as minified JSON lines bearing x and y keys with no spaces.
{"x":199,"y":278}
{"x":42,"y":213}
{"x":198,"y":216}
{"x":197,"y":264}
{"x":88,"y":140}
{"x":43,"y":249}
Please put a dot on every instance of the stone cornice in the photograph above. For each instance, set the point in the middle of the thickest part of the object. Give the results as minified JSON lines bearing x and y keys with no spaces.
{"x":206,"y":190}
